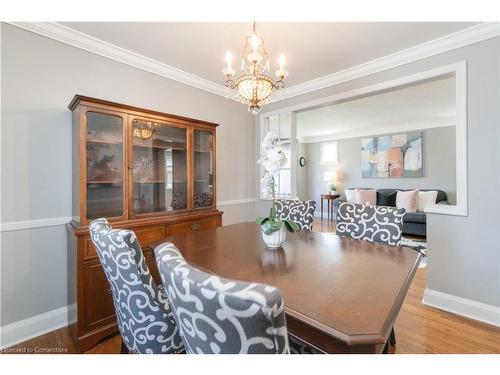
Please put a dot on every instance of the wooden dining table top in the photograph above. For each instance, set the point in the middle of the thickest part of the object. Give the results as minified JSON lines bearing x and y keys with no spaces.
{"x":349,"y":290}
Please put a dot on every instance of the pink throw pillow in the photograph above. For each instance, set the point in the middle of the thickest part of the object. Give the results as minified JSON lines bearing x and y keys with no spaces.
{"x":366,"y":196}
{"x":407,"y":200}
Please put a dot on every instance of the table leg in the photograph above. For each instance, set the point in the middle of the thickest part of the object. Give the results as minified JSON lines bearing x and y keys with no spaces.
{"x":321,"y":208}
{"x":329,"y":209}
{"x":332,"y":210}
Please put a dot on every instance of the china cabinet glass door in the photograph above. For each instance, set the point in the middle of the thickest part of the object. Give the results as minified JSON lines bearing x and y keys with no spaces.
{"x":159,"y":167}
{"x":105,"y":165}
{"x":203,"y":169}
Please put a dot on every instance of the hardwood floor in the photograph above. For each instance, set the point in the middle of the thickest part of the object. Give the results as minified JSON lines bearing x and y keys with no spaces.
{"x":419,"y":329}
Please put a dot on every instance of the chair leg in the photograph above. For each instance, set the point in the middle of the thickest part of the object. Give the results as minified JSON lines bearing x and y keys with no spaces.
{"x":392,"y":337}
{"x":124,"y":349}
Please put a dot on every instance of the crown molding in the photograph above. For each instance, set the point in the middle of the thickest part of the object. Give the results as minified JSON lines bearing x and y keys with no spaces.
{"x":462,"y":38}
{"x":89,"y":43}
{"x":433,"y":47}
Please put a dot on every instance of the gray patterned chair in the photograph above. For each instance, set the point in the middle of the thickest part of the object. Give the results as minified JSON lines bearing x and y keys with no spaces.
{"x":414,"y":223}
{"x":380,"y":224}
{"x":300,"y":212}
{"x":221,"y":316}
{"x":143,"y":314}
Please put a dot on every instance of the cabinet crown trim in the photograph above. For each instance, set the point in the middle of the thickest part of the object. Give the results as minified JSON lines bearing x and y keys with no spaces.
{"x":86,"y":100}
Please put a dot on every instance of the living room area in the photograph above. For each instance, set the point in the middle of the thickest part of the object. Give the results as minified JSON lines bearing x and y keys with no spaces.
{"x":369,"y":148}
{"x":249,"y":187}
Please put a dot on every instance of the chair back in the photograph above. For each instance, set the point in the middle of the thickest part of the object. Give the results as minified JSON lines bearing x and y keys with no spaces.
{"x":144,"y":317}
{"x":298,"y":211}
{"x":380,"y":224}
{"x":222,"y":316}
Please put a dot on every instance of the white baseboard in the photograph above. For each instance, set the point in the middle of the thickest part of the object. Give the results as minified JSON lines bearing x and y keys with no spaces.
{"x":38,"y":325}
{"x":462,"y":306}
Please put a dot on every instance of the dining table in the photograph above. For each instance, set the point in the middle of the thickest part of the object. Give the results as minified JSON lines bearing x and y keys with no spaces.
{"x":341,"y":295}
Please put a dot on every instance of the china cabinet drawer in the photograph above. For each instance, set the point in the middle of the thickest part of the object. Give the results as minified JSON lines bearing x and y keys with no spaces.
{"x":191,"y":226}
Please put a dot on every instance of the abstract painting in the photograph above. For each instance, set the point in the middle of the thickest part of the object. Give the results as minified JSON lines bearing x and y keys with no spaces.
{"x":392,"y":156}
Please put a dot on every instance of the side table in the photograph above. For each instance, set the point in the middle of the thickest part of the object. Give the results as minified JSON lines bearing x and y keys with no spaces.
{"x":329,"y":198}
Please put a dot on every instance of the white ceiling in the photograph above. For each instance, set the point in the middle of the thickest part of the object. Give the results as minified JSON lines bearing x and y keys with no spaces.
{"x":312,"y":50}
{"x":419,"y":106}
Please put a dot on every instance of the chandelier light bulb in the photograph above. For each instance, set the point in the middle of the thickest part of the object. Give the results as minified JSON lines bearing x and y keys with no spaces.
{"x":228,"y":70}
{"x":255,"y":42}
{"x":229,"y":59}
{"x":282,"y":62}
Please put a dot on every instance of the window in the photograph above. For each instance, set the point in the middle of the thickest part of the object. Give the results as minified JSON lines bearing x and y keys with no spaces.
{"x":282,"y":125}
{"x":329,"y":153}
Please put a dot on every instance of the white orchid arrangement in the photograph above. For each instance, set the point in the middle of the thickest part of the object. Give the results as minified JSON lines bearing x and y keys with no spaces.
{"x":273,"y":159}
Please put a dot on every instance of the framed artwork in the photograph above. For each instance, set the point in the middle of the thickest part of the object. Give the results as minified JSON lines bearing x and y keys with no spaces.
{"x":392,"y":156}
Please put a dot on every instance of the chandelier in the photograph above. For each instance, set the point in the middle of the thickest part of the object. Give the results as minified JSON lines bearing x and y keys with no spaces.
{"x":143,"y":130}
{"x":253,"y":87}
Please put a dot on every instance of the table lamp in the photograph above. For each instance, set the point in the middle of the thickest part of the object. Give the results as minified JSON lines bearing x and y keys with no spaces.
{"x":330,"y":177}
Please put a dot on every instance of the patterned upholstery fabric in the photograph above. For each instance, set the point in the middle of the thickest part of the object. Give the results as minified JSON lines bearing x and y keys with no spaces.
{"x":217,"y":315}
{"x":300,"y":212}
{"x":144,"y":316}
{"x":371,"y":223}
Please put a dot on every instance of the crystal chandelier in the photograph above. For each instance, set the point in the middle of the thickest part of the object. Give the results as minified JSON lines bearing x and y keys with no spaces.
{"x":143,"y":130}
{"x":253,"y":87}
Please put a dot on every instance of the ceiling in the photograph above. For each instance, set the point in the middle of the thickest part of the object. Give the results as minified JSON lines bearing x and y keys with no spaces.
{"x":312,"y":50}
{"x":418,"y":106}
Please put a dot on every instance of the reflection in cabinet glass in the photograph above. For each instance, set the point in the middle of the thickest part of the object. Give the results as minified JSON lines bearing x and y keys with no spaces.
{"x":105,"y":194}
{"x":159,"y":167}
{"x":203,"y":169}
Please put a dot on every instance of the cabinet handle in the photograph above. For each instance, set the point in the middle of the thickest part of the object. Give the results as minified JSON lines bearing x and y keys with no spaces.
{"x":195,"y":226}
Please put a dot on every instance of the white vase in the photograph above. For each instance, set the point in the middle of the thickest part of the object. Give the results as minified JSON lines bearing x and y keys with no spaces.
{"x":275,"y":239}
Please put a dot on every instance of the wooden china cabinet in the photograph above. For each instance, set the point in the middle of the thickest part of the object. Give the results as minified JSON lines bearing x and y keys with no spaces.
{"x":150,"y":172}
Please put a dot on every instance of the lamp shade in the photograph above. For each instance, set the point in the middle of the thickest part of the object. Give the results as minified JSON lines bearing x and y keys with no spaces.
{"x":330,"y":176}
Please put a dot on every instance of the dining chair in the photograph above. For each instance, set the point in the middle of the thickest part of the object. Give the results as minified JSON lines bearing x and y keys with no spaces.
{"x":222,"y":316}
{"x":143,"y":313}
{"x":379,"y":224}
{"x":299,"y":211}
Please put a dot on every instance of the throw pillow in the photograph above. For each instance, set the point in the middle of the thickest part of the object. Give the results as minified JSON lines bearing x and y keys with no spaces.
{"x":386,"y":199}
{"x":350,"y":196}
{"x":407,"y":200}
{"x":367,"y":197}
{"x":426,"y":198}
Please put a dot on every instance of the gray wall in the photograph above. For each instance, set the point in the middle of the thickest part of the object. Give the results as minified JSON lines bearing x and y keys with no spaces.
{"x":439,"y":172}
{"x":39,"y":78}
{"x":302,"y":179}
{"x":464,"y":256}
